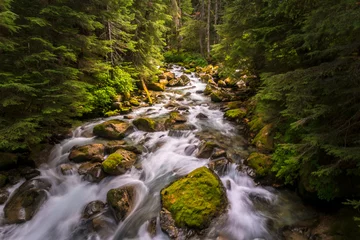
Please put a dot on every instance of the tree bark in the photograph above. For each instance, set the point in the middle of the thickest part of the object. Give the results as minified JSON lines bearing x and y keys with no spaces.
{"x":208,"y":29}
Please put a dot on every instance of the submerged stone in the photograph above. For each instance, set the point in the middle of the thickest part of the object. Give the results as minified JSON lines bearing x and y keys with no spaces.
{"x":195,"y":199}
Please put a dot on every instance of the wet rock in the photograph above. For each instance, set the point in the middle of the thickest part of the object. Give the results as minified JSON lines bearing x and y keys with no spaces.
{"x":219,"y":165}
{"x":189,"y":150}
{"x":167,"y":76}
{"x":220,"y":96}
{"x":171,"y":105}
{"x":121,"y":201}
{"x":183,"y":108}
{"x":152,"y":227}
{"x":181,"y":81}
{"x":182,"y":127}
{"x":67,"y":169}
{"x":206,"y":150}
{"x":235,"y":114}
{"x":134,"y":102}
{"x":156,"y":86}
{"x":92,"y":172}
{"x":164,"y":82}
{"x":218,"y":153}
{"x":113,"y":129}
{"x":28,"y":172}
{"x":112,"y":146}
{"x":201,"y":116}
{"x":3,"y":180}
{"x":13,"y":176}
{"x":7,"y":160}
{"x":221,"y":83}
{"x":145,"y":124}
{"x":206,"y":77}
{"x":167,"y":224}
{"x":119,"y":162}
{"x":88,"y":153}
{"x":93,"y":208}
{"x":261,"y":163}
{"x":26,"y":201}
{"x":193,"y":201}
{"x":4,"y":195}
{"x":128,"y":117}
{"x":176,"y":117}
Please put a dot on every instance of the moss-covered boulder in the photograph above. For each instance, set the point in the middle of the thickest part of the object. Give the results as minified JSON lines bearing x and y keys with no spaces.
{"x":221,"y":83}
{"x":174,"y":118}
{"x":7,"y":160}
{"x":145,"y":124}
{"x":167,"y":75}
{"x":261,"y":163}
{"x":220,"y":96}
{"x":26,"y":201}
{"x":119,"y":162}
{"x":264,"y":140}
{"x":88,"y":153}
{"x":121,"y":201}
{"x":235,"y":114}
{"x":205,"y":77}
{"x":113,"y":129}
{"x":181,"y":81}
{"x":195,"y":199}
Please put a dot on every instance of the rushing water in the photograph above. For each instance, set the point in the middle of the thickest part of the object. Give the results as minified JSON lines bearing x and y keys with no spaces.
{"x":254,"y":211}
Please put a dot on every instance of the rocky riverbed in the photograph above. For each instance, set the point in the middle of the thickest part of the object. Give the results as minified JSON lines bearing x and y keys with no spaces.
{"x":174,"y":170}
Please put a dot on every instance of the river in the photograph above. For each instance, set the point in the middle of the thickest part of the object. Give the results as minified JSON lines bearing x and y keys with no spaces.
{"x":255,"y":212}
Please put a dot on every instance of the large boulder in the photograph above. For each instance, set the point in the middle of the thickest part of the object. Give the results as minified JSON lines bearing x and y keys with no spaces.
{"x":7,"y":160}
{"x":113,"y":129}
{"x":121,"y":201}
{"x":26,"y":201}
{"x":119,"y":162}
{"x":88,"y":153}
{"x":193,"y":201}
{"x":167,"y":76}
{"x":206,"y":149}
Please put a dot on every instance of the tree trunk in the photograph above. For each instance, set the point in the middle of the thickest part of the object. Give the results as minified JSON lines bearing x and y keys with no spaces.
{"x":201,"y":31}
{"x":208,"y":29}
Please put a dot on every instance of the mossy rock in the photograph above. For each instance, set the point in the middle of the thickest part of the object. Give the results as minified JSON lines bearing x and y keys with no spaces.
{"x":119,"y":162}
{"x":156,"y":87}
{"x":8,"y":160}
{"x":121,"y":201}
{"x":235,"y":114}
{"x":264,"y":140}
{"x":234,"y":105}
{"x":195,"y":199}
{"x":206,"y":149}
{"x":134,"y":102}
{"x":3,"y":180}
{"x":145,"y":124}
{"x":261,"y":163}
{"x":112,"y":113}
{"x":88,"y":153}
{"x":113,"y":129}
{"x":205,"y":77}
{"x":187,"y":71}
{"x":219,"y":96}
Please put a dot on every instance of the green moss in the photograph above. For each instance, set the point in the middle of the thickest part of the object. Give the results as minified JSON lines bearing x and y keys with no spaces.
{"x":256,"y":124}
{"x":134,"y":102}
{"x":234,"y":105}
{"x":112,"y":113}
{"x":145,"y":124}
{"x":3,"y":180}
{"x":107,"y":129}
{"x":264,"y":140}
{"x":112,"y":162}
{"x":216,"y":96}
{"x":261,"y":163}
{"x":195,"y":199}
{"x":235,"y":114}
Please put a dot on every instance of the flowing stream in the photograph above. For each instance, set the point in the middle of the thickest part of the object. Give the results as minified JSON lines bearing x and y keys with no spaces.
{"x":254,"y":212}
